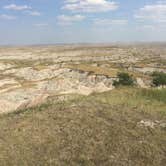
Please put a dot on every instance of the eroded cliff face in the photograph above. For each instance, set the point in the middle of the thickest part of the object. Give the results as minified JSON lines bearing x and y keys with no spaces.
{"x":28,"y":87}
{"x":28,"y":76}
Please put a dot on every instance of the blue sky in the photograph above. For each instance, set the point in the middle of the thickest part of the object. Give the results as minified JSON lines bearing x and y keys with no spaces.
{"x":81,"y":21}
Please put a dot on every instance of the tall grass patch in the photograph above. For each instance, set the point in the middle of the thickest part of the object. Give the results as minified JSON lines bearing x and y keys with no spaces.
{"x":155,"y":94}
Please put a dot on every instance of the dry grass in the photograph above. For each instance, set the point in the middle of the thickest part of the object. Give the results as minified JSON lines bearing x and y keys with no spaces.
{"x":157,"y":94}
{"x":111,"y":72}
{"x":100,"y":129}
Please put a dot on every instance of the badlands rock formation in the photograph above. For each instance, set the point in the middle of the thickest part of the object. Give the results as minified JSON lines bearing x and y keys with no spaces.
{"x":28,"y":75}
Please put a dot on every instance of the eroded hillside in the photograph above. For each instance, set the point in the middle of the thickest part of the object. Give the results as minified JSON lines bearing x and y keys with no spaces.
{"x":29,"y":75}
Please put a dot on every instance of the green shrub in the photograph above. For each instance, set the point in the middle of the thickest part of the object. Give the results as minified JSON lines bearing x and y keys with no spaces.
{"x":159,"y":78}
{"x":124,"y":79}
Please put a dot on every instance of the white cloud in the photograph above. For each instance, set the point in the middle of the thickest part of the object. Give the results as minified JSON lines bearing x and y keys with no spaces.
{"x":24,"y":8}
{"x":107,"y":22}
{"x":7,"y":17}
{"x":16,"y":7}
{"x":90,"y":6}
{"x":68,"y":20}
{"x":34,"y":13}
{"x":155,"y":12}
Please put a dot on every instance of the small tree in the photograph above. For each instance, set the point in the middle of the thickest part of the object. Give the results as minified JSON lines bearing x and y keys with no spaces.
{"x":124,"y":79}
{"x":159,"y":78}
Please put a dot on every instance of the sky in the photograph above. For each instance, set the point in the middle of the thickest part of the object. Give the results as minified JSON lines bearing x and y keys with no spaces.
{"x":81,"y":21}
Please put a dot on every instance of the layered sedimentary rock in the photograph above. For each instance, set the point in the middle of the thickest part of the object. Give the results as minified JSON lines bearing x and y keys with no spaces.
{"x":29,"y":75}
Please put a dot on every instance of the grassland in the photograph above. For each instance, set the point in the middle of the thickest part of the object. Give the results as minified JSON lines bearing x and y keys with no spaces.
{"x":100,"y":129}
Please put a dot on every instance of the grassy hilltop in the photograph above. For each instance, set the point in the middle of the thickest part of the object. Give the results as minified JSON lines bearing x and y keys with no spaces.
{"x":122,"y":127}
